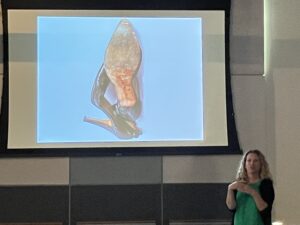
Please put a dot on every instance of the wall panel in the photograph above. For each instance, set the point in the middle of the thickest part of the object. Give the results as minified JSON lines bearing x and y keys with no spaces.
{"x":116,"y":203}
{"x":34,"y":204}
{"x":247,"y":37}
{"x":34,"y":171}
{"x":115,"y":170}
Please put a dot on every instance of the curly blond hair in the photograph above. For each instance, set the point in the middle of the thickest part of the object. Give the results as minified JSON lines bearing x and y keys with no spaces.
{"x":264,"y":170}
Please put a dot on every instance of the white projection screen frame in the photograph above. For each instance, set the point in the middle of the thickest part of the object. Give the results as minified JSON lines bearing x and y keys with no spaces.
{"x":208,"y":111}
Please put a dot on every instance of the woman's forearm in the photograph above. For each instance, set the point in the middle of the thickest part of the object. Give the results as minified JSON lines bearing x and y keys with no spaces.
{"x":230,"y":199}
{"x":260,"y":203}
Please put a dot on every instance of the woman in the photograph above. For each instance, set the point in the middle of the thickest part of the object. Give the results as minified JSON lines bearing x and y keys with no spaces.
{"x":251,"y":196}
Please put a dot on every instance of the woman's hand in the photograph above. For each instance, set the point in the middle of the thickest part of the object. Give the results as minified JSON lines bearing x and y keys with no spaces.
{"x":245,"y":188}
{"x":241,"y":186}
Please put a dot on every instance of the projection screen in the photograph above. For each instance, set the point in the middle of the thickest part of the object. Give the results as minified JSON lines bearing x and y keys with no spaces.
{"x":117,"y":79}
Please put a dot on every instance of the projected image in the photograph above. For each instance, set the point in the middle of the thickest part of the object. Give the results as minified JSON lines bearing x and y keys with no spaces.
{"x":116,"y":80}
{"x":121,"y":64}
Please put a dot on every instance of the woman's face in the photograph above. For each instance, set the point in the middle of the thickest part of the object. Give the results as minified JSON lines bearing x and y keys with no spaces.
{"x":252,"y":164}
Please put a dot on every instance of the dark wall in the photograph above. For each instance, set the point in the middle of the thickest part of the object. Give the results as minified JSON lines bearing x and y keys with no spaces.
{"x":157,"y":203}
{"x":34,"y":204}
{"x":184,"y":202}
{"x":116,"y":203}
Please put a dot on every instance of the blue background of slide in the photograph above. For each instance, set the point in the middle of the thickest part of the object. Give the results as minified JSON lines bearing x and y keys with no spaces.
{"x":70,"y":53}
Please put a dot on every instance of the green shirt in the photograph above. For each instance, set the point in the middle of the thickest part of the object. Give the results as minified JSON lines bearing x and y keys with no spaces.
{"x":246,"y":210}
